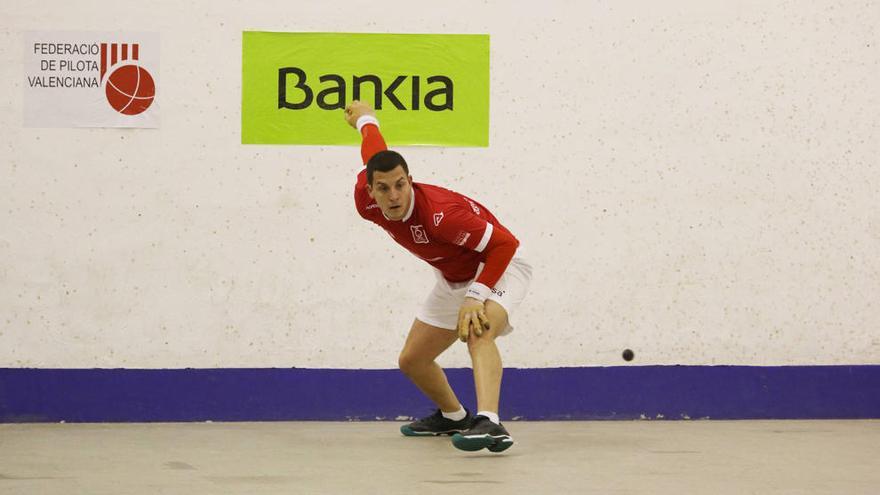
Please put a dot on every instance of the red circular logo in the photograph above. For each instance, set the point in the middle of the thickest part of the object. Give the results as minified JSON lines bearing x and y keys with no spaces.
{"x":130,"y":89}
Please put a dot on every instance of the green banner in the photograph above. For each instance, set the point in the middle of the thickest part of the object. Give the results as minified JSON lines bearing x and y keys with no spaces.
{"x":430,"y":89}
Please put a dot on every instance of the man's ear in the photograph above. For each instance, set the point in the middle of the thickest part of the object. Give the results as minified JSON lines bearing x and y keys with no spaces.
{"x":370,"y":191}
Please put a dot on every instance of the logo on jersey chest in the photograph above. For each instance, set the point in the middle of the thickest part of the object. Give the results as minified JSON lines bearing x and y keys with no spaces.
{"x":419,"y":234}
{"x":438,"y":217}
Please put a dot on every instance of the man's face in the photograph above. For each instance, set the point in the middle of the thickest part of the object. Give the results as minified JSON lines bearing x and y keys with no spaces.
{"x":392,"y":191}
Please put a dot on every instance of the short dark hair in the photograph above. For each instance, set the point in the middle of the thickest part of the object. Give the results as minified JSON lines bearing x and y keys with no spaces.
{"x":385,"y":161}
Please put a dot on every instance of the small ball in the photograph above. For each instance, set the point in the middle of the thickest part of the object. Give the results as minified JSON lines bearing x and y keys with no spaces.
{"x":628,"y":355}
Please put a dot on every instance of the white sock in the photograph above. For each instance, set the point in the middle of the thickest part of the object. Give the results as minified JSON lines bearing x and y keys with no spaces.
{"x":493,"y":417}
{"x":455,"y":416}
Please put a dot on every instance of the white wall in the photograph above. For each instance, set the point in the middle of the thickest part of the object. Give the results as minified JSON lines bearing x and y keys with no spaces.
{"x":695,"y":180}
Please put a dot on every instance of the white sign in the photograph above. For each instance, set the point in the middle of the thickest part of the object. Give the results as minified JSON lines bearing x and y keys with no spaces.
{"x":91,"y":79}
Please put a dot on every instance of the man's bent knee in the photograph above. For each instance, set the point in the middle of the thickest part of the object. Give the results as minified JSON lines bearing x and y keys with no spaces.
{"x":410,"y":364}
{"x":497,"y":322}
{"x":475,"y":343}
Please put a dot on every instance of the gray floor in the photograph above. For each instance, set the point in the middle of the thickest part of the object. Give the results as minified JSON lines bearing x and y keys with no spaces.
{"x":651,"y":457}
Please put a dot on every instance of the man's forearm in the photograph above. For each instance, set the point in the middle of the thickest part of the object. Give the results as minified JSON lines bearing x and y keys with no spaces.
{"x":371,"y":139}
{"x":499,"y":252}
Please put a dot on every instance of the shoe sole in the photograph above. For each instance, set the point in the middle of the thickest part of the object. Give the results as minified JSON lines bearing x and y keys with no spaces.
{"x":409,"y":432}
{"x":472,"y":443}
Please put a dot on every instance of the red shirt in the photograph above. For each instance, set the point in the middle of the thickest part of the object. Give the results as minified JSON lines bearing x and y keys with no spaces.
{"x":450,"y":231}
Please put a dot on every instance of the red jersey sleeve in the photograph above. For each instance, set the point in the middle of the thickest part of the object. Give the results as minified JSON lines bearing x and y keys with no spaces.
{"x":371,"y":139}
{"x":464,"y":228}
{"x":371,"y":143}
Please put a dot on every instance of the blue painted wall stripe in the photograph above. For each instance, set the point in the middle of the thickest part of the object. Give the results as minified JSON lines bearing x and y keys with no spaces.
{"x":273,"y":394}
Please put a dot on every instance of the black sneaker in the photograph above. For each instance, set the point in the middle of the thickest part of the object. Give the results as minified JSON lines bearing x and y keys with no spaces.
{"x":483,"y":433}
{"x":436,"y":424}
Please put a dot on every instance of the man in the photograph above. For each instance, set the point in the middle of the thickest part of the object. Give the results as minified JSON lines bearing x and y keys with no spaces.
{"x":480,"y":280}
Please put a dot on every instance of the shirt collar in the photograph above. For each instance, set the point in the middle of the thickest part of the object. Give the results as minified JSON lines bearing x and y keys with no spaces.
{"x":412,"y":205}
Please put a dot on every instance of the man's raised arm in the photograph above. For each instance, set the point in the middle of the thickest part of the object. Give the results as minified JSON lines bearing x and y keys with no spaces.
{"x":362,"y":117}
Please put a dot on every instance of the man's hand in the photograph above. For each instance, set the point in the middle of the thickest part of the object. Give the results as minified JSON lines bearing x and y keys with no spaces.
{"x":355,"y":110}
{"x":471,"y":318}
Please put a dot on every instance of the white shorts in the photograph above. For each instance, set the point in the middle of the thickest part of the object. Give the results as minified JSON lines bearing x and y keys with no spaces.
{"x":441,"y":307}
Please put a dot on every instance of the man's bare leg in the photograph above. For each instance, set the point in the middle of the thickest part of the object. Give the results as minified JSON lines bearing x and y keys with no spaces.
{"x":487,"y":360}
{"x":423,"y":344}
{"x":486,"y":432}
